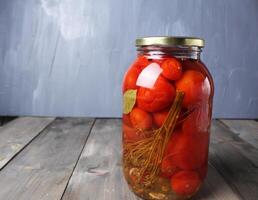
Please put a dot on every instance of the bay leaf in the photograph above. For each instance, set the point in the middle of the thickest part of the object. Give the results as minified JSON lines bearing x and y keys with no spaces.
{"x":129,"y":100}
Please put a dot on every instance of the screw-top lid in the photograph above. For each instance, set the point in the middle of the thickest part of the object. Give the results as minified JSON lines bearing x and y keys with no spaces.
{"x":170,"y":41}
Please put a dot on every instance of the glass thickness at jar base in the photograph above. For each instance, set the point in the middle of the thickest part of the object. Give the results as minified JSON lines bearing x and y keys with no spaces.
{"x":166,"y":125}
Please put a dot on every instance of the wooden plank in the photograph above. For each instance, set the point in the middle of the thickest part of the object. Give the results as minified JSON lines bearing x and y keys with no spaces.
{"x":43,"y":168}
{"x":239,"y":172}
{"x":17,"y":134}
{"x":245,"y":129}
{"x":99,"y":176}
{"x":223,"y":133}
{"x":215,"y":188}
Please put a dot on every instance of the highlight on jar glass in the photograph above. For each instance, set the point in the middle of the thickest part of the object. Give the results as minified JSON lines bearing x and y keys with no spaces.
{"x":167,"y":108}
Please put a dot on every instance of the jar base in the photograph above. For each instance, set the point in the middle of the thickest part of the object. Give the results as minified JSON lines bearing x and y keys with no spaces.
{"x":160,"y":190}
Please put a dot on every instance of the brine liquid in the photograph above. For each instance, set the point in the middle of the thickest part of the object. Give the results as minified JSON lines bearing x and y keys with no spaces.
{"x":149,"y":90}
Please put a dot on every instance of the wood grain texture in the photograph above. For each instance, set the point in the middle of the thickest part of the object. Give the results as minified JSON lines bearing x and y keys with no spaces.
{"x":245,"y":129}
{"x":223,"y":134}
{"x":17,"y":134}
{"x":46,"y":168}
{"x":215,"y":188}
{"x":233,"y":162}
{"x":42,"y":170}
{"x":98,"y":175}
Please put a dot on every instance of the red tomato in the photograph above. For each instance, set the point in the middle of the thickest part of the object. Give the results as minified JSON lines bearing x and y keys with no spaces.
{"x":167,"y":167}
{"x":159,"y":97}
{"x":172,"y":141}
{"x":172,"y":69}
{"x":191,"y":83}
{"x":188,"y":151}
{"x":141,"y":62}
{"x":160,"y":117}
{"x":141,"y":119}
{"x":185,"y":182}
{"x":131,"y":134}
{"x":132,"y":74}
{"x":126,"y":119}
{"x":130,"y":78}
{"x":198,"y":121}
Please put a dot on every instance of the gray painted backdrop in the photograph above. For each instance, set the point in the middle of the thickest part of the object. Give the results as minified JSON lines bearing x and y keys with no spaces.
{"x":67,"y":57}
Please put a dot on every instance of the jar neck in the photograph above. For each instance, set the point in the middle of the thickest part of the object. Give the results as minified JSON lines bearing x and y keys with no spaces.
{"x":182,"y":52}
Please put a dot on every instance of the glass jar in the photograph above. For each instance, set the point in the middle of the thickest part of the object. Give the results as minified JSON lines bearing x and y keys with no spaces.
{"x":167,"y":108}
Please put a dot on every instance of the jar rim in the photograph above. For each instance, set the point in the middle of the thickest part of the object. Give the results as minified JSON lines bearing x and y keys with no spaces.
{"x":170,"y":41}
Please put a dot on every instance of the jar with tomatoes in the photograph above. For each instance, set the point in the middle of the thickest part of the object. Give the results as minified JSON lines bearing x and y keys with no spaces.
{"x":167,"y":108}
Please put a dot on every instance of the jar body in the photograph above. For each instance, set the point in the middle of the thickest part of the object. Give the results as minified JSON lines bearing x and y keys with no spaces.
{"x":165,"y":135}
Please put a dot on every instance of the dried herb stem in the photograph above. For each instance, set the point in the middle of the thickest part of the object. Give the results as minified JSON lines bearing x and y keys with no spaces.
{"x":147,"y":153}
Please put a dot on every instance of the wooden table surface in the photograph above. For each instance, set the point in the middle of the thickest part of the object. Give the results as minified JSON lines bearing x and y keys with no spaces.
{"x":80,"y":159}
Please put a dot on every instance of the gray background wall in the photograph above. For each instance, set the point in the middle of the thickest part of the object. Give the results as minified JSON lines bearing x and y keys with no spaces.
{"x":67,"y":57}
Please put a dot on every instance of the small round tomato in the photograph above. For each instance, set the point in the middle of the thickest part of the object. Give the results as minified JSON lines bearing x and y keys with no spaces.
{"x":185,"y":182}
{"x":172,"y":69}
{"x":188,"y":152}
{"x":129,"y":133}
{"x":141,"y":62}
{"x":160,"y":117}
{"x":198,"y":121}
{"x":130,"y":78}
{"x":172,"y":141}
{"x":188,"y":159}
{"x":191,"y":83}
{"x":141,"y":119}
{"x":127,"y":120}
{"x":157,"y":98}
{"x":167,"y":167}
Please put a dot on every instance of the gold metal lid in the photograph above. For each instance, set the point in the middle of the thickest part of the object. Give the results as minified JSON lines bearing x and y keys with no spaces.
{"x":170,"y":41}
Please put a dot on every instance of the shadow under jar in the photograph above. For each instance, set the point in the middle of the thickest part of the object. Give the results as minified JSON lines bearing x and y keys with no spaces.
{"x":167,"y":107}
